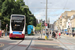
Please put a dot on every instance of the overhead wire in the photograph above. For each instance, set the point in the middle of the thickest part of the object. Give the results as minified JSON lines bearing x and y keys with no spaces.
{"x":64,"y":7}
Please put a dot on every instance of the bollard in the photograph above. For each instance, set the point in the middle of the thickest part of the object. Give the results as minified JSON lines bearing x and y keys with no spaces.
{"x":46,"y":38}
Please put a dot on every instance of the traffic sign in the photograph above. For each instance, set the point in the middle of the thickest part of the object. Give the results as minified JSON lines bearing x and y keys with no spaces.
{"x":45,"y":24}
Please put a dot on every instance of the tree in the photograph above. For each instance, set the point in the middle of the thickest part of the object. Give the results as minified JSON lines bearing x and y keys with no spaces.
{"x":1,"y":1}
{"x":21,"y":2}
{"x":8,"y":7}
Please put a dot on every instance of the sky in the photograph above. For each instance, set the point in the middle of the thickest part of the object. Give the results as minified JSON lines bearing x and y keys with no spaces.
{"x":54,"y":8}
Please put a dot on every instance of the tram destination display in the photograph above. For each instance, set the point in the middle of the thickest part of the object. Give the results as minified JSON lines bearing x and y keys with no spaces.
{"x":17,"y":17}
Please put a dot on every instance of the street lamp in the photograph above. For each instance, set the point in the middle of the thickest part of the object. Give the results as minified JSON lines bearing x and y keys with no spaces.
{"x":46,"y":16}
{"x":41,"y":28}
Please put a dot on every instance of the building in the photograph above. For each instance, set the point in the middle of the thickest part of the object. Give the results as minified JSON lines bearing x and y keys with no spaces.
{"x":51,"y":26}
{"x":66,"y":16}
{"x":40,"y":21}
{"x":73,"y":23}
{"x":56,"y":25}
{"x":36,"y":21}
{"x":61,"y":23}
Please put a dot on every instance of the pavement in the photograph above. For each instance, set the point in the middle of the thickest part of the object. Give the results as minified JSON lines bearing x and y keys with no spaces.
{"x":43,"y":37}
{"x":66,"y":41}
{"x":68,"y":35}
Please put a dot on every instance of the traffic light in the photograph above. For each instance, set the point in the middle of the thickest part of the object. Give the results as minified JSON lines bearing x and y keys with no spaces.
{"x":43,"y":23}
{"x":48,"y":26}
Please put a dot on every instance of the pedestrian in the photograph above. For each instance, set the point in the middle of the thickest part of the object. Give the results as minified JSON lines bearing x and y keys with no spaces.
{"x":50,"y":34}
{"x":53,"y":34}
{"x":47,"y":34}
{"x":59,"y":35}
{"x":56,"y":34}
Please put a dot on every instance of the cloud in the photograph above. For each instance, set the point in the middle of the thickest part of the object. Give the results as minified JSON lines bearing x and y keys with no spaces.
{"x":40,"y":15}
{"x":55,"y":8}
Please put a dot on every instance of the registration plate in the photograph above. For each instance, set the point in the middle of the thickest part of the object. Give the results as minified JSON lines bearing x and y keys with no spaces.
{"x":16,"y":37}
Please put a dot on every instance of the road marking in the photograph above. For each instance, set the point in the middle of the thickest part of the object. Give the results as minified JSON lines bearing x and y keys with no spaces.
{"x":1,"y":44}
{"x":29,"y":44}
{"x":15,"y":45}
{"x":69,"y":41}
{"x":63,"y":44}
{"x":46,"y":44}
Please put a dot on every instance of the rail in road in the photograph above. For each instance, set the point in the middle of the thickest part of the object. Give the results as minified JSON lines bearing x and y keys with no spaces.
{"x":19,"y":43}
{"x":67,"y":40}
{"x":63,"y":44}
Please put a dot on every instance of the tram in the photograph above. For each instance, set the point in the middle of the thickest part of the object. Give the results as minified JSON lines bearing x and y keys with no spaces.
{"x":17,"y":26}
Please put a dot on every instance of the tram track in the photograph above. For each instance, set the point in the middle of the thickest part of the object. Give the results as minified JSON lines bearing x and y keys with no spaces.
{"x":19,"y":43}
{"x":61,"y":43}
{"x":66,"y":40}
{"x":29,"y":44}
{"x":15,"y":45}
{"x":69,"y":41}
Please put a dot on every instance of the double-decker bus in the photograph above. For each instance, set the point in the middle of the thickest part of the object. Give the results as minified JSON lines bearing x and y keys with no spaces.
{"x":17,"y":26}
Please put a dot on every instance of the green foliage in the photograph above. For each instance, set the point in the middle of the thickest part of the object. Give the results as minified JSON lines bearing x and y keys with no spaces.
{"x":21,"y":2}
{"x":8,"y":7}
{"x":38,"y":27}
{"x":0,"y":14}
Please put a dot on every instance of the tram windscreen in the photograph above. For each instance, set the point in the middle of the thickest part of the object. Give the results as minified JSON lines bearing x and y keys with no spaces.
{"x":17,"y":23}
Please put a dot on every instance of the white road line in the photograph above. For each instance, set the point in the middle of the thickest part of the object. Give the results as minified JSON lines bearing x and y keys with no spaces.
{"x":1,"y":44}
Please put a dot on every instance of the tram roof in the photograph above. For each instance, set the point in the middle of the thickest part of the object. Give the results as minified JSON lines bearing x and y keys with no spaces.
{"x":17,"y":15}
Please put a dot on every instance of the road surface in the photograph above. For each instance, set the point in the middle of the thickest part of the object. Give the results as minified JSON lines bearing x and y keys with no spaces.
{"x":33,"y":43}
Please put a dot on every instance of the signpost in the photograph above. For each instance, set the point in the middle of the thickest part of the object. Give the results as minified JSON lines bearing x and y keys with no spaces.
{"x":46,"y":31}
{"x":6,"y":29}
